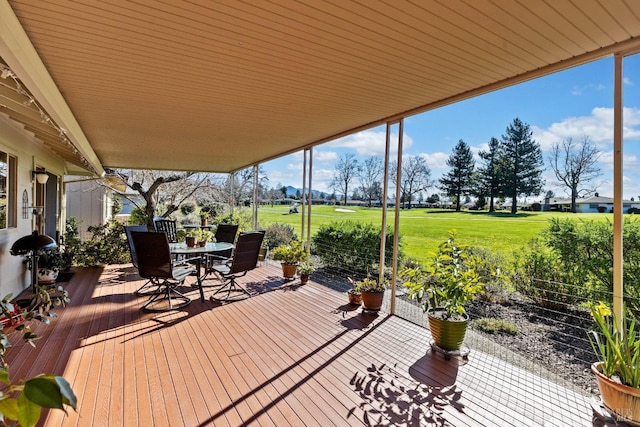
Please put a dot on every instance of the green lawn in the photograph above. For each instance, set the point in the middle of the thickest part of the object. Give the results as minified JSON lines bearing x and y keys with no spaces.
{"x":423,"y":229}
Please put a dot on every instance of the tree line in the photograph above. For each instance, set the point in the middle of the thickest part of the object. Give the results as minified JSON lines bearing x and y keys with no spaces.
{"x":511,"y":167}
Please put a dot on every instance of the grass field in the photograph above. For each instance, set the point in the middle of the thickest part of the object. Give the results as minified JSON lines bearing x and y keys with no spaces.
{"x":423,"y":229}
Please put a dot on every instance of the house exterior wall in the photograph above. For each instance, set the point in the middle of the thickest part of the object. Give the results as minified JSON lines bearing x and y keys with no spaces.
{"x":89,"y":203}
{"x":14,"y":277}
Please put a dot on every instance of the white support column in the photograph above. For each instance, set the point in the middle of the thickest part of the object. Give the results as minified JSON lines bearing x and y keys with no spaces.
{"x":618,"y":290}
{"x":232,"y":200}
{"x":310,"y":199}
{"x":396,"y":224}
{"x":255,"y":197}
{"x":385,"y":189}
{"x":303,"y":218}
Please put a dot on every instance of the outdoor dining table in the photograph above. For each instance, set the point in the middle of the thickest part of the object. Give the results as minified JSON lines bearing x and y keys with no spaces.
{"x":197,"y":253}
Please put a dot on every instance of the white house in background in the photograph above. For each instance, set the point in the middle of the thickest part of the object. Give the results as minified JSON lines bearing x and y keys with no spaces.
{"x":89,"y":202}
{"x":594,"y":204}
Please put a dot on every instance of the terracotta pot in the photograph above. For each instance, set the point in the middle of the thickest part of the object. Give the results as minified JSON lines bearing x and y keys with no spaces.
{"x":355,"y":298}
{"x":289,"y":270}
{"x":202,"y":244}
{"x":448,"y":334}
{"x":204,"y":222}
{"x":304,"y":278}
{"x":622,"y":400}
{"x":372,"y":300}
{"x":190,"y":241}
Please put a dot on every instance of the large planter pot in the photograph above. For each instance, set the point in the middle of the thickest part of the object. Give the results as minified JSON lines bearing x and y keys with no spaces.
{"x":372,"y":300}
{"x":289,"y":270}
{"x":622,"y":400}
{"x":447,"y":334}
{"x":47,"y":276}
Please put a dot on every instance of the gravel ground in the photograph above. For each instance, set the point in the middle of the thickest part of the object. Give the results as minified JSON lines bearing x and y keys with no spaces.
{"x":555,"y":340}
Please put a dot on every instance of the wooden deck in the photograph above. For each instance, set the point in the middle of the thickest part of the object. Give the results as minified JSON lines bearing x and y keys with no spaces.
{"x":290,"y":355}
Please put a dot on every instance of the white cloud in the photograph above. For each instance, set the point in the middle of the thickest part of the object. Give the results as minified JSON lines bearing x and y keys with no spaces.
{"x":324,"y":156}
{"x":370,"y":143}
{"x":598,"y":127}
{"x":628,"y":81}
{"x":579,"y":90}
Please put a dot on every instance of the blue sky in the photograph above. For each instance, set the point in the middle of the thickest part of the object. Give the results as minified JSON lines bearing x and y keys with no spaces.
{"x":571,"y":104}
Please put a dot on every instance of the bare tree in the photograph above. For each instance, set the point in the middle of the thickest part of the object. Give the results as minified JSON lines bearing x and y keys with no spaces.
{"x":575,"y":164}
{"x":347,"y":170}
{"x":370,"y":176}
{"x":165,"y":190}
{"x":416,"y":177}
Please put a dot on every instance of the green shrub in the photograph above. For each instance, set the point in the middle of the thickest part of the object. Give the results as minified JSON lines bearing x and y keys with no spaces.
{"x":278,"y":234}
{"x":539,"y":274}
{"x":138,"y":217}
{"x":585,"y":250}
{"x":108,"y":245}
{"x":240,"y":217}
{"x":72,"y":245}
{"x":352,"y":249}
{"x":187,"y":208}
{"x":496,"y":326}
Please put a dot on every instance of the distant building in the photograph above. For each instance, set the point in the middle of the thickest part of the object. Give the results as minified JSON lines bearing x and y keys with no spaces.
{"x":593,"y":204}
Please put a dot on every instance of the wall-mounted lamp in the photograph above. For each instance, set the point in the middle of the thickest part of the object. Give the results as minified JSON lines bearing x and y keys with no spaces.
{"x":41,"y":176}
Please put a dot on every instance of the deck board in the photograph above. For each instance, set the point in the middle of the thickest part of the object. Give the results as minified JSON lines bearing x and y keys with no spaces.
{"x":290,"y":355}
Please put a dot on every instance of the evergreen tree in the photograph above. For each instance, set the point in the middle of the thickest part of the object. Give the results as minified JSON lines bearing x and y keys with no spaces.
{"x":521,"y":163}
{"x":457,"y":182}
{"x":489,"y":173}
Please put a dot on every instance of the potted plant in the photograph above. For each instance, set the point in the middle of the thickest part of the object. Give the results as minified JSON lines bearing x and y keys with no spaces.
{"x":304,"y":270}
{"x":290,"y":255}
{"x":204,"y":213}
{"x":50,"y":262}
{"x":202,"y":236}
{"x":372,"y":293}
{"x":443,"y":286}
{"x":355,"y":297}
{"x":618,"y":368}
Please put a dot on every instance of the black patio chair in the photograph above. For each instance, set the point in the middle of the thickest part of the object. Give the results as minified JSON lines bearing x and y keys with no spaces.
{"x":155,"y":264}
{"x":168,"y":227}
{"x":148,"y":288}
{"x":224,"y":233}
{"x":245,"y":258}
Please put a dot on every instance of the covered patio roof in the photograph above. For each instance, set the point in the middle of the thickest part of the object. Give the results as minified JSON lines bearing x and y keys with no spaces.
{"x":218,"y":86}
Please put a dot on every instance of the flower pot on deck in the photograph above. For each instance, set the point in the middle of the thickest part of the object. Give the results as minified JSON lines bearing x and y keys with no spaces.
{"x":447,"y":334}
{"x":622,"y":400}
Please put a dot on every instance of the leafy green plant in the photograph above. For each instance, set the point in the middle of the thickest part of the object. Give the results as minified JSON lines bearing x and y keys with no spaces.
{"x":306,"y":268}
{"x":617,"y":349}
{"x":496,"y":326}
{"x":22,"y":401}
{"x":448,"y":281}
{"x":108,"y":245}
{"x":277,"y":234}
{"x":293,"y":253}
{"x":202,"y":235}
{"x":351,"y":248}
{"x":368,"y":284}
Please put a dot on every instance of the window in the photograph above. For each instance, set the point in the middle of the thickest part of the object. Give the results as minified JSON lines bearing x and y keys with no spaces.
{"x":8,"y":190}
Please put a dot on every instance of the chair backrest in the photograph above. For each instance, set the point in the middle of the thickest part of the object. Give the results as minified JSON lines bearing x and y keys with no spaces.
{"x":132,"y":250}
{"x":153,"y":253}
{"x":245,"y":254}
{"x":168,"y":227}
{"x":226,"y":233}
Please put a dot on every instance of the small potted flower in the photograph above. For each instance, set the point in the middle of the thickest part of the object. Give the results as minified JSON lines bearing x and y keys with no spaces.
{"x":618,"y":369}
{"x":372,"y":292}
{"x":290,"y":255}
{"x":355,"y":297}
{"x":304,"y":270}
